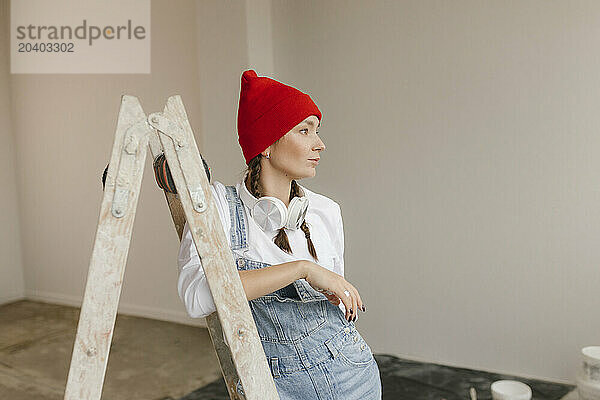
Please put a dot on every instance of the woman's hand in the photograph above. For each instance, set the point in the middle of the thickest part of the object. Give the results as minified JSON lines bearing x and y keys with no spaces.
{"x":331,"y":297}
{"x":333,"y":286}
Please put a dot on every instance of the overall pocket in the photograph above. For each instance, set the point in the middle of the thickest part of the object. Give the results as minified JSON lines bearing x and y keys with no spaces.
{"x":356,"y":352}
{"x":286,"y":321}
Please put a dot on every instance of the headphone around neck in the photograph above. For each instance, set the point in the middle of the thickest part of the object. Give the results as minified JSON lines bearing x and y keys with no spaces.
{"x":271,"y":214}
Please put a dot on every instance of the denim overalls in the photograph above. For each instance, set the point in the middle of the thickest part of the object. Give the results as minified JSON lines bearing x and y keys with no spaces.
{"x":312,"y":350}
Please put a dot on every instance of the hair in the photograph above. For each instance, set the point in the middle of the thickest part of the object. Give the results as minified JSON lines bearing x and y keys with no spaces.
{"x":281,"y":239}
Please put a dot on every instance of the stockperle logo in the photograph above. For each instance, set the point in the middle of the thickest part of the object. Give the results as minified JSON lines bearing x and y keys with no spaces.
{"x":80,"y":36}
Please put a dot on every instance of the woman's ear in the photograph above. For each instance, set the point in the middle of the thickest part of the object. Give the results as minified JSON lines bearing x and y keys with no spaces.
{"x":266,"y":152}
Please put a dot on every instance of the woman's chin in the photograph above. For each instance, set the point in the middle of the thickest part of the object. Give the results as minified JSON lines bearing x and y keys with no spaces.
{"x":308,"y":173}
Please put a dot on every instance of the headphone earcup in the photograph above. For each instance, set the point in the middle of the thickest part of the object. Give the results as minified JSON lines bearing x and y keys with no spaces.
{"x":270,"y":213}
{"x":296,"y":212}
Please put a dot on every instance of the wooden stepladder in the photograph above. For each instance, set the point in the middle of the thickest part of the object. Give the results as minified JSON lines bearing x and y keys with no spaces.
{"x":167,"y":132}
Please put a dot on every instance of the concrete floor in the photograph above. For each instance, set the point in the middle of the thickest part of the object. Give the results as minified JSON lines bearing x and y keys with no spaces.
{"x":148,"y":359}
{"x":156,"y":360}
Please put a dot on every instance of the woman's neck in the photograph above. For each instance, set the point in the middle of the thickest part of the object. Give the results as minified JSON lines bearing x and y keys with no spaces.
{"x":274,"y":185}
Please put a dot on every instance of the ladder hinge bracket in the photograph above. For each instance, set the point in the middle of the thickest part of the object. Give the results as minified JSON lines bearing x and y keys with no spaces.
{"x":129,"y":166}
{"x":190,"y":172}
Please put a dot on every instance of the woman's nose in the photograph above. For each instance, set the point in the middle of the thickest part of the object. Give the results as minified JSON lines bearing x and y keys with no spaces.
{"x":320,"y":145}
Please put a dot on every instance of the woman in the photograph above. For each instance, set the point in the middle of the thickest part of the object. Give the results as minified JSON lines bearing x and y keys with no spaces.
{"x":288,"y":243}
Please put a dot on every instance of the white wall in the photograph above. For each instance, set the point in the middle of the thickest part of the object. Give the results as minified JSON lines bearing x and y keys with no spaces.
{"x":12,"y":286}
{"x":222,"y":56}
{"x":232,"y":36}
{"x":65,"y":126}
{"x":462,"y":142}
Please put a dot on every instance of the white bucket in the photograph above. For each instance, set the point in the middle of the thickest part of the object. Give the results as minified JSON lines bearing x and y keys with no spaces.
{"x":587,"y":390}
{"x":591,"y":363}
{"x":510,"y":390}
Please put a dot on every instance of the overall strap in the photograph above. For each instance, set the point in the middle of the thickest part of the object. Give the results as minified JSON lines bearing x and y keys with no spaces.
{"x":238,"y":234}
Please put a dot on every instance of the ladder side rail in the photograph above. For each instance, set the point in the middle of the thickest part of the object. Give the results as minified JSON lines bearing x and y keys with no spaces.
{"x":109,"y":255}
{"x":233,"y":309}
{"x":212,"y":321}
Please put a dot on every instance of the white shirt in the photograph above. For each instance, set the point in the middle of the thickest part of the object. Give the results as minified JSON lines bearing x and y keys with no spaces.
{"x":324,"y":220}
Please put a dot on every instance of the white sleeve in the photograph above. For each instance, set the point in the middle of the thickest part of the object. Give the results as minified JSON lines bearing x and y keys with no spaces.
{"x":192,"y":284}
{"x":339,"y":246}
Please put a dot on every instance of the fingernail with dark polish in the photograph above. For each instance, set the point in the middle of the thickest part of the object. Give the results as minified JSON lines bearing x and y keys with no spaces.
{"x":364,"y":308}
{"x":350,"y":311}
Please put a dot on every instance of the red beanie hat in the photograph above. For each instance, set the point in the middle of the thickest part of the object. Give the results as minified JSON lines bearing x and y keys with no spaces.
{"x":268,"y":110}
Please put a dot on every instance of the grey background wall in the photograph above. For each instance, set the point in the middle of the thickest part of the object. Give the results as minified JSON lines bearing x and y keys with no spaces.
{"x":64,"y":127}
{"x":12,"y":285}
{"x":460,"y":138}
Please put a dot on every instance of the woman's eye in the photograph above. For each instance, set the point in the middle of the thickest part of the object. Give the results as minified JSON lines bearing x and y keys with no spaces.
{"x":305,"y":131}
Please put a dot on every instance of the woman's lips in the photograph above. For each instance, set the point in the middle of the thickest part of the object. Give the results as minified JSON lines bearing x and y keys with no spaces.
{"x":315,"y":160}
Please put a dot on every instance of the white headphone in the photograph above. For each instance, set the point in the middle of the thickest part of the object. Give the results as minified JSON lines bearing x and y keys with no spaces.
{"x":270,"y":213}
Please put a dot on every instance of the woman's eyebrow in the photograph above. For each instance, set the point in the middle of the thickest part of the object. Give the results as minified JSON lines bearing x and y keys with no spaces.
{"x":309,"y":122}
